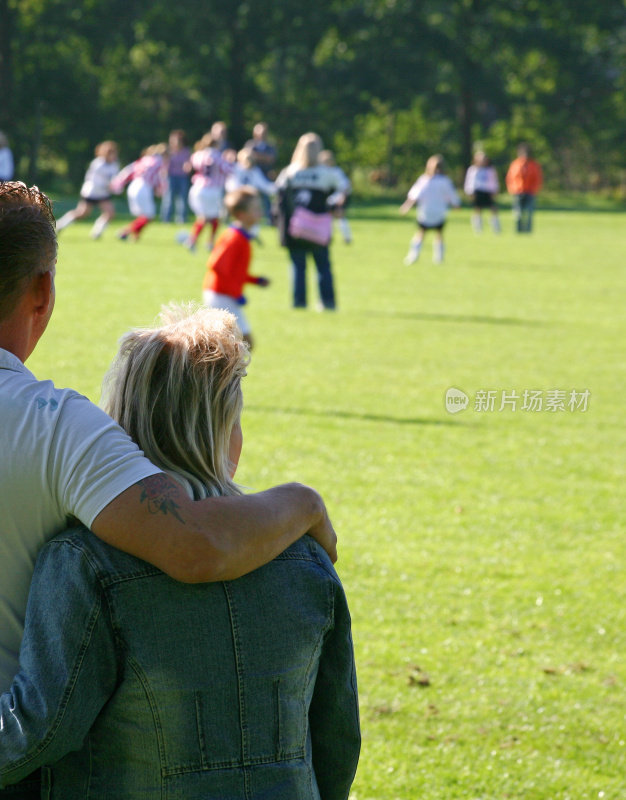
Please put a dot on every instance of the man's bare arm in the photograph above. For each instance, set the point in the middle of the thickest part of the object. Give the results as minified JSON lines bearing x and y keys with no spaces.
{"x":219,"y":538}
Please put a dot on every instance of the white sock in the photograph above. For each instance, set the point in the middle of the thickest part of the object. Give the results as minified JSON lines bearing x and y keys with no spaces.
{"x":344,"y":227}
{"x":98,"y":226}
{"x":477,"y":223}
{"x":414,"y":252}
{"x":495,"y":224}
{"x":438,"y":251}
{"x":65,"y":220}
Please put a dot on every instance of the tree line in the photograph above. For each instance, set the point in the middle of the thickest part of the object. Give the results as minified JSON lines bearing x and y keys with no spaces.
{"x":386,"y":83}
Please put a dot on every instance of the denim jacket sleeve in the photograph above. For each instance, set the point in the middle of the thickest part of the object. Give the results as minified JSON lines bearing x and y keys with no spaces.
{"x":334,"y":710}
{"x":67,"y":664}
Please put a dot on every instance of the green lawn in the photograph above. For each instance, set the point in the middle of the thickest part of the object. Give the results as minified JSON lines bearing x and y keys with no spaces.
{"x":482,"y":552}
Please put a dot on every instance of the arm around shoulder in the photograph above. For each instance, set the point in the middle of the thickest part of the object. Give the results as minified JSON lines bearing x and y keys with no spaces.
{"x":219,"y":538}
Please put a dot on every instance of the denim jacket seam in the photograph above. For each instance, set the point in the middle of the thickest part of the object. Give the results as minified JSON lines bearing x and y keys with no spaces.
{"x":156,"y":720}
{"x":297,"y":754}
{"x":114,"y":579}
{"x":232,"y":612}
{"x":330,"y":624}
{"x":104,"y":577}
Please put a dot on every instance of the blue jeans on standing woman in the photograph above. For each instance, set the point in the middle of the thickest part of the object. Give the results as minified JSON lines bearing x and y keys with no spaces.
{"x":325,"y":282}
{"x":175,"y":195}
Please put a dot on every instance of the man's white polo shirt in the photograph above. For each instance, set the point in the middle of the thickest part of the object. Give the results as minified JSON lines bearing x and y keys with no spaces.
{"x":60,"y":456}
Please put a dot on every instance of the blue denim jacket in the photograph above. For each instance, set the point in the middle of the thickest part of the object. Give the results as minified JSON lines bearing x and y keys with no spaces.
{"x":134,"y":686}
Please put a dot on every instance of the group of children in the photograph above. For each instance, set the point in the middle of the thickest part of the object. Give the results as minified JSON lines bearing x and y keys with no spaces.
{"x":144,"y":178}
{"x":227,"y":184}
{"x":224,"y":185}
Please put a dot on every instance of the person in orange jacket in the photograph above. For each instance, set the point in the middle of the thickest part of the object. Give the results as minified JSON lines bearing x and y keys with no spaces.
{"x":523,"y":181}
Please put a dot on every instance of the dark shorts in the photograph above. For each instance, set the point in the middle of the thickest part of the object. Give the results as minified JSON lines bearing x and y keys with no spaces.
{"x":483,"y":200}
{"x":438,"y":227}
{"x":93,"y":201}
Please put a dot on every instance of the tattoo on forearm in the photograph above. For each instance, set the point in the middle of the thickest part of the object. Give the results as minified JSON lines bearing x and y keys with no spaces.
{"x":158,"y":491}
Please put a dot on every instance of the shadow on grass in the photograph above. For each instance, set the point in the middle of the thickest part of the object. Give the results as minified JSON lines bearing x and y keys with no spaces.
{"x":479,"y":320}
{"x":307,"y":412}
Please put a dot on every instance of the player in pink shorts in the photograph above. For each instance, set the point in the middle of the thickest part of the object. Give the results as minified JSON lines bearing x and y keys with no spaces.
{"x":145,"y":177}
{"x":206,"y":196}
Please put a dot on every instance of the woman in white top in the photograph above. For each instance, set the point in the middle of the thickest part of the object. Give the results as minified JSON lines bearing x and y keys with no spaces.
{"x":481,"y":185}
{"x":96,"y":190}
{"x":433,"y":193}
{"x":246,"y":173}
{"x":338,"y":208}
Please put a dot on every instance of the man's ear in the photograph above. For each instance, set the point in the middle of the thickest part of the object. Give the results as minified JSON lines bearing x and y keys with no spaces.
{"x":42,"y":292}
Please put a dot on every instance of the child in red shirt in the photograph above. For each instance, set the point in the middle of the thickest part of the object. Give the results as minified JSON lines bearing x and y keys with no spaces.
{"x":229,"y":263}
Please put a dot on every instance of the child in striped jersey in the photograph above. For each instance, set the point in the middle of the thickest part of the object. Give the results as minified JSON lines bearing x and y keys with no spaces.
{"x":206,"y":196}
{"x":145,"y":177}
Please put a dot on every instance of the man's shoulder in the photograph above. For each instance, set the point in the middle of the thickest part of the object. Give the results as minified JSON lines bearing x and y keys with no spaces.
{"x":11,"y":362}
{"x":19,"y":387}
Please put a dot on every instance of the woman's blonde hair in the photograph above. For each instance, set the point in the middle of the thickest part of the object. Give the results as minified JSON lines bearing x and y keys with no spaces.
{"x":306,"y":151}
{"x":435,"y":165}
{"x":245,"y":158}
{"x":105,"y":147}
{"x":176,"y":390}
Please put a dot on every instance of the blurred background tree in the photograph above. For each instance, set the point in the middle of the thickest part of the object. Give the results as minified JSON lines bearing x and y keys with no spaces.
{"x":385,"y":82}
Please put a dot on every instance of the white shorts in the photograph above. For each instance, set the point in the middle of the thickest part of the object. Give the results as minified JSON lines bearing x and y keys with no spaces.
{"x":206,"y":201}
{"x":217,"y":300}
{"x":141,"y":199}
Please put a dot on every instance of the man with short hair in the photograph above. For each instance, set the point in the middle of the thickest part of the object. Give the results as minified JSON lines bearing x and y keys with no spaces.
{"x":62,"y":457}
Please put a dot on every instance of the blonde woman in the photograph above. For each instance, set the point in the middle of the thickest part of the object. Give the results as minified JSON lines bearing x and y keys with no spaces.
{"x":134,"y":685}
{"x":307,"y":190}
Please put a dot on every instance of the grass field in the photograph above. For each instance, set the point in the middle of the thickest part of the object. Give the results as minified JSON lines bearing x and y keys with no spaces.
{"x":482,"y":552}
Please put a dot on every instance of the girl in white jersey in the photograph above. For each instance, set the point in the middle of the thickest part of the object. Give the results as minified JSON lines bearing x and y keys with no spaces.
{"x":96,"y":190}
{"x":338,"y":208}
{"x":482,"y":186}
{"x":433,"y":193}
{"x":246,"y":173}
